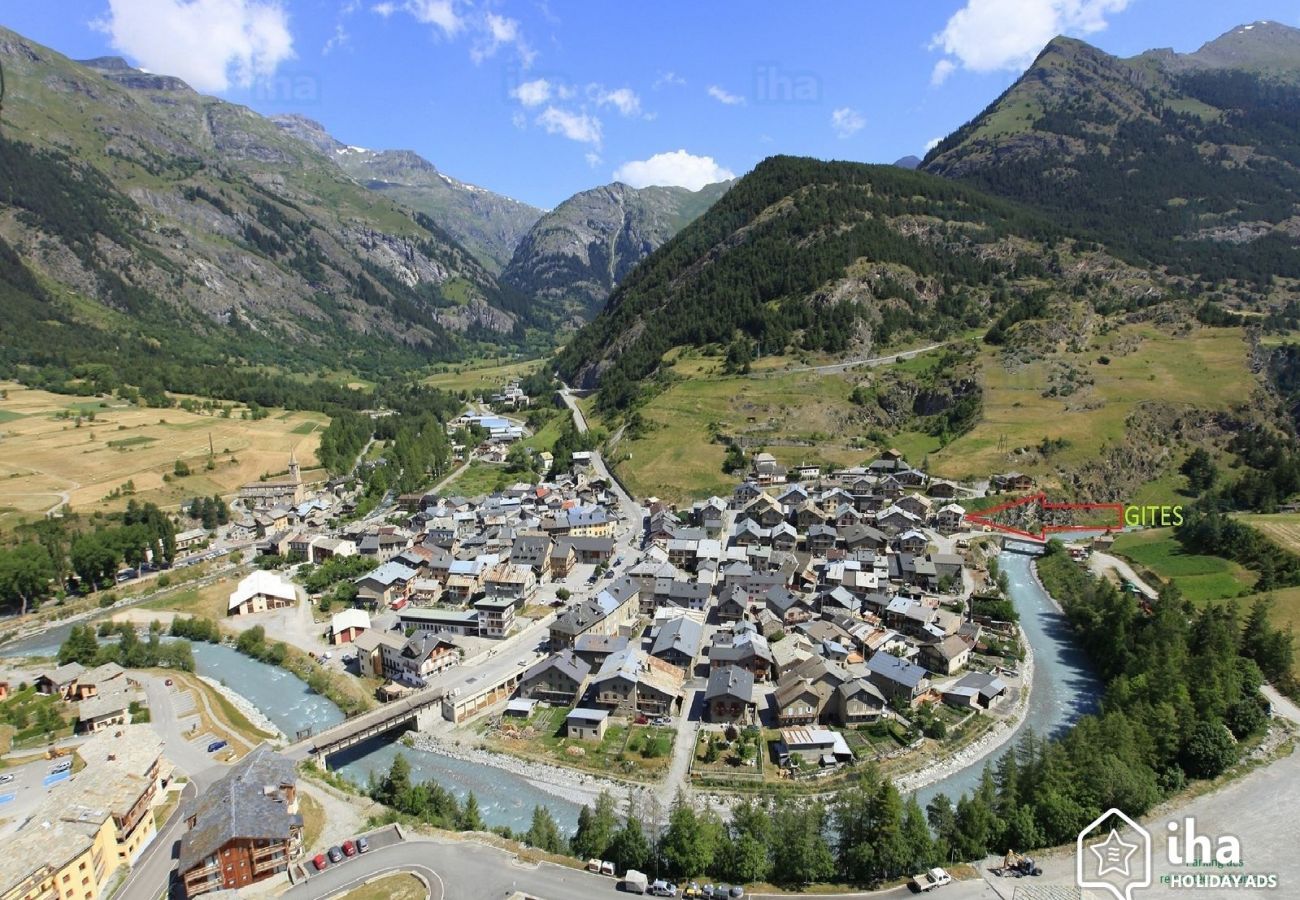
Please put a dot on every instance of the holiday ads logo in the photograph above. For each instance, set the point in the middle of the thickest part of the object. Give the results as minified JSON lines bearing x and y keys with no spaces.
{"x":1116,"y":856}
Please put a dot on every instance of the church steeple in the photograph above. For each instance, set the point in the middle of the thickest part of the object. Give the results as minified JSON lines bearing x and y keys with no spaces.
{"x":294,"y":474}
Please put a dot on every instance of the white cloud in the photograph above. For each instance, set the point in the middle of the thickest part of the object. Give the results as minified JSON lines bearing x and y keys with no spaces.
{"x":724,"y":96}
{"x":847,"y":122}
{"x":534,"y":93}
{"x":623,"y":99}
{"x":491,"y":31}
{"x":501,"y":31}
{"x":989,"y":35}
{"x":576,"y":126}
{"x":439,"y":13}
{"x":668,"y":79}
{"x":338,"y":40}
{"x":593,"y":159}
{"x":675,"y":168}
{"x":212,"y":44}
{"x":931,"y":144}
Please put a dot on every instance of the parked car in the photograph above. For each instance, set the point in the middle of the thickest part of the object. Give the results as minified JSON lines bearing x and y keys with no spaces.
{"x":661,"y":888}
{"x":593,"y":865}
{"x":349,"y":848}
{"x":62,"y":765}
{"x":363,"y":844}
{"x":6,"y":778}
{"x":319,"y":862}
{"x":216,"y":745}
{"x":693,"y":891}
{"x":737,"y":892}
{"x":607,"y":868}
{"x":336,"y":854}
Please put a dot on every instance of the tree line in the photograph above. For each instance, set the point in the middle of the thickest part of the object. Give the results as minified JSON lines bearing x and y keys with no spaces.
{"x":128,"y":651}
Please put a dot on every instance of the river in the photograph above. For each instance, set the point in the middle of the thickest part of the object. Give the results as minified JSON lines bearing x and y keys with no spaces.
{"x":1063,"y":689}
{"x":1064,"y":686}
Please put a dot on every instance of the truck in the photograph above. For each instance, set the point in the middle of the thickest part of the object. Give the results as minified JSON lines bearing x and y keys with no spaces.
{"x":928,"y":881}
{"x":635,"y":882}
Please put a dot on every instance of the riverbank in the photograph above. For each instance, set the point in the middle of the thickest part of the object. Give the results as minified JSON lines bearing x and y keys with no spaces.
{"x":567,"y":784}
{"x":1001,"y":732}
{"x":246,"y":707}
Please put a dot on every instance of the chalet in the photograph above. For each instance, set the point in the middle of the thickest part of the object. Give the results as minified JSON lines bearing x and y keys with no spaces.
{"x":631,"y":682}
{"x":813,"y":746}
{"x":744,"y":494}
{"x":746,"y":649}
{"x":418,"y":658}
{"x":895,"y":520}
{"x":385,"y":585}
{"x":559,"y":679}
{"x":764,"y":510}
{"x":950,"y":517}
{"x":260,"y":591}
{"x":729,"y":696}
{"x":693,"y":595}
{"x":788,"y":607}
{"x":585,"y":724}
{"x":106,"y":709}
{"x":734,"y":605}
{"x":511,"y":582}
{"x":863,"y":537}
{"x":975,"y":690}
{"x":808,"y":515}
{"x":594,"y":649}
{"x":369,"y":647}
{"x":592,"y":550}
{"x":912,"y":542}
{"x":940,"y":489}
{"x":1012,"y":481}
{"x":243,"y":829}
{"x":822,"y":538}
{"x":784,"y":537}
{"x":945,"y":657}
{"x":187,"y":540}
{"x":917,"y":504}
{"x":346,"y":625}
{"x":897,"y":678}
{"x":766,"y":470}
{"x":533,"y":551}
{"x":563,"y":559}
{"x":605,"y":613}
{"x":678,"y":641}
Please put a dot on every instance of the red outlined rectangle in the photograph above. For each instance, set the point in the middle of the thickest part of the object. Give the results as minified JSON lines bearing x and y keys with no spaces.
{"x":984,"y":517}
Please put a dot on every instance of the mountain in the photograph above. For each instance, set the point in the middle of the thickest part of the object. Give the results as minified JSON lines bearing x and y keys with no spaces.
{"x":837,"y":257}
{"x":908,"y":162}
{"x":146,"y":226}
{"x":1188,"y":161}
{"x":487,"y":224}
{"x":578,"y":252}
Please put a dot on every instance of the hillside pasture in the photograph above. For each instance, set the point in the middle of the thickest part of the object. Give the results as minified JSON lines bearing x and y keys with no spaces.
{"x":1208,"y":369}
{"x":47,"y":460}
{"x":1281,"y":528}
{"x":1201,"y":578}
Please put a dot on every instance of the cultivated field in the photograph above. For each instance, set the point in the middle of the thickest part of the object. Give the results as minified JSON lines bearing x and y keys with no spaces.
{"x":1207,"y":368}
{"x":47,"y":460}
{"x":1200,"y":578}
{"x":1282,"y":528}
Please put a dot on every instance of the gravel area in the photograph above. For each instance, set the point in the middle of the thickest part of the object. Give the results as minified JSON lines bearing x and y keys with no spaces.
{"x":245,"y":706}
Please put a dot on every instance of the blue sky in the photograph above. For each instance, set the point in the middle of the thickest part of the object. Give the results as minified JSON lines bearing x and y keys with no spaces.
{"x":539,"y":100}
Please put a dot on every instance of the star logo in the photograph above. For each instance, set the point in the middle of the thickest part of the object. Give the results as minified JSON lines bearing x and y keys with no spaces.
{"x":1113,"y":855}
{"x":1126,"y":861}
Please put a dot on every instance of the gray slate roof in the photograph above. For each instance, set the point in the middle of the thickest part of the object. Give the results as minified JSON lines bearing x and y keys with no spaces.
{"x":240,"y":806}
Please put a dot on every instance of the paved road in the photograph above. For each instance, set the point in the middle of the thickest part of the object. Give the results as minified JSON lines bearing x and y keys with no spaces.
{"x":152,"y":872}
{"x":860,"y":361}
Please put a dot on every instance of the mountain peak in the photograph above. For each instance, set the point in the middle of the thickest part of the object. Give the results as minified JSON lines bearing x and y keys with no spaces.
{"x":1256,"y":46}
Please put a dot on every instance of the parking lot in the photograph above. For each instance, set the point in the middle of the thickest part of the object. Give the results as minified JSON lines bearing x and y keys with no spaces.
{"x":22,"y":788}
{"x":384,"y":837}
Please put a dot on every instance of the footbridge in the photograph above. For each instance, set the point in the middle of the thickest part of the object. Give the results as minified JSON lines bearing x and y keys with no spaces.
{"x":412,"y":712}
{"x":1024,"y":545}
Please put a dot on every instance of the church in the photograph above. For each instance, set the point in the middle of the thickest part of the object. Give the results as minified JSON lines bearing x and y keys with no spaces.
{"x":273,"y":492}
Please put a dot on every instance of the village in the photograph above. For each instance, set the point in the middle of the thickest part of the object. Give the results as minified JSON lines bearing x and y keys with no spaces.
{"x":805,"y":624}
